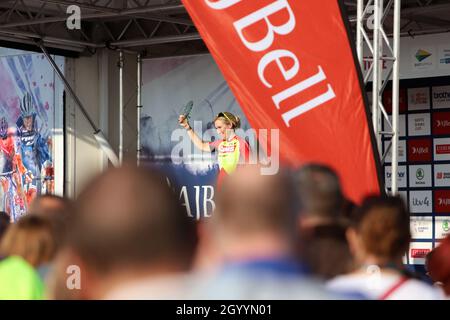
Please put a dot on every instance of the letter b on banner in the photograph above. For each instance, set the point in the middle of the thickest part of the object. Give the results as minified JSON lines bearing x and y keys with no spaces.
{"x":263,"y":15}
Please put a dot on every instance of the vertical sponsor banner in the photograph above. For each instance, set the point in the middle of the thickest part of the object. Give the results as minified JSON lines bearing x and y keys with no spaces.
{"x":289,"y":72}
{"x":31,"y":119}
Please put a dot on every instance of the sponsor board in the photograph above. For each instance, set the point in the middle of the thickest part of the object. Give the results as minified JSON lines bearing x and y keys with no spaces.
{"x":401,"y":176}
{"x":421,"y":201}
{"x":401,"y":125}
{"x":441,"y":149}
{"x":420,"y":176}
{"x":418,"y":252}
{"x":442,"y":175}
{"x":442,"y":201}
{"x":441,"y":123}
{"x":419,"y":150}
{"x":441,"y":227}
{"x":401,"y":151}
{"x":421,"y":227}
{"x":423,"y":58}
{"x":419,"y":98}
{"x":440,"y":97}
{"x":419,"y":124}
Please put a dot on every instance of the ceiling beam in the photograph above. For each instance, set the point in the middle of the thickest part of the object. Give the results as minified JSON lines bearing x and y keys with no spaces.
{"x":156,"y":40}
{"x":140,"y":13}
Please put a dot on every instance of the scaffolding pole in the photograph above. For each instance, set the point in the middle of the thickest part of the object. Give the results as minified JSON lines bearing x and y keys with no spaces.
{"x":380,"y":50}
{"x":139,"y":107}
{"x":120,"y":107}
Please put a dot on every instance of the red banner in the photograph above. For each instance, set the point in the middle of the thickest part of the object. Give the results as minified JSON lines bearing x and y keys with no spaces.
{"x":291,"y":67}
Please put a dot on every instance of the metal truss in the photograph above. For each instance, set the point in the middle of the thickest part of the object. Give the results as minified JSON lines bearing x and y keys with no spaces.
{"x":115,"y":24}
{"x":160,"y":26}
{"x":374,"y":37}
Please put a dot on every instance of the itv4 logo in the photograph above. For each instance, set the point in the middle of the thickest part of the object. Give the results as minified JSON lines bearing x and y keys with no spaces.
{"x":417,"y":202}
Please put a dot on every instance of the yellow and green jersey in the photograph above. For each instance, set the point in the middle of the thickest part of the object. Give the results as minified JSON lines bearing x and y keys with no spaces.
{"x":230,"y":154}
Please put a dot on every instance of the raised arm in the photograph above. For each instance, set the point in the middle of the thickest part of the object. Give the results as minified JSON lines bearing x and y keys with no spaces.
{"x":199,"y":143}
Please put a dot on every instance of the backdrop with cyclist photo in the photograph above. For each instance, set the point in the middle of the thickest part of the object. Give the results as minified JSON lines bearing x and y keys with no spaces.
{"x":29,"y":96}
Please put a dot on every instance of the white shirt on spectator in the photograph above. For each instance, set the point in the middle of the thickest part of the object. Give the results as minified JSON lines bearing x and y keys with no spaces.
{"x":376,"y":286}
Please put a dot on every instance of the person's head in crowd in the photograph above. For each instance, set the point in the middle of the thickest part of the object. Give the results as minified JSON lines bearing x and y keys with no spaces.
{"x":438,"y":265}
{"x":4,"y":223}
{"x":54,"y":208}
{"x":319,"y":193}
{"x":127,"y":225}
{"x":323,"y":218}
{"x":380,"y":233}
{"x":252,"y":238}
{"x":379,"y":237}
{"x":49,"y":205}
{"x":254,"y":216}
{"x":31,"y":238}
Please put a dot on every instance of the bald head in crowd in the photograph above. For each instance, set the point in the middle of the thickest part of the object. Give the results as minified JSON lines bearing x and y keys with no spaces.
{"x":128,"y":221}
{"x":254,"y":214}
{"x":251,"y":202}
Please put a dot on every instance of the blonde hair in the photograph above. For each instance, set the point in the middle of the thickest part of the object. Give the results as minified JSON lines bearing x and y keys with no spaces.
{"x":31,"y":238}
{"x":229,"y":119}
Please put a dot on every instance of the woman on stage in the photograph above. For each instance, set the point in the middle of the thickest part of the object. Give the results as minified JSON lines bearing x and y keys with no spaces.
{"x":231,"y":148}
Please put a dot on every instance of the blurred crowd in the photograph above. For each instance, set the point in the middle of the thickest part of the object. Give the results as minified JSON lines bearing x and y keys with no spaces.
{"x":292,"y":235}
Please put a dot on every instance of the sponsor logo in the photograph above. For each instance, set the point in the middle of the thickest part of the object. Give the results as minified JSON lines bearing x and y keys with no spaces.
{"x":416,"y":202}
{"x":420,"y":150}
{"x":226,"y":149}
{"x":442,"y":123}
{"x":422,"y":55}
{"x":442,"y":175}
{"x":419,"y":98}
{"x":420,"y":174}
{"x":443,"y":149}
{"x":443,"y":201}
{"x":421,"y":227}
{"x":419,"y":253}
{"x":441,"y":95}
{"x":445,"y":226}
{"x":399,"y":174}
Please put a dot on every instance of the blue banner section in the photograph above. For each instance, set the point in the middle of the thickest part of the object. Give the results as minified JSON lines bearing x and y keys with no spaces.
{"x":196,"y":191}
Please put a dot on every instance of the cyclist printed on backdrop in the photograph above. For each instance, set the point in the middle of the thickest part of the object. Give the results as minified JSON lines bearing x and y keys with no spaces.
{"x":33,"y":148}
{"x":11,"y":169}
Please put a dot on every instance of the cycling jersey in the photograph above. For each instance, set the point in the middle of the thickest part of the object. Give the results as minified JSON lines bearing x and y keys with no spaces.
{"x":230,"y":154}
